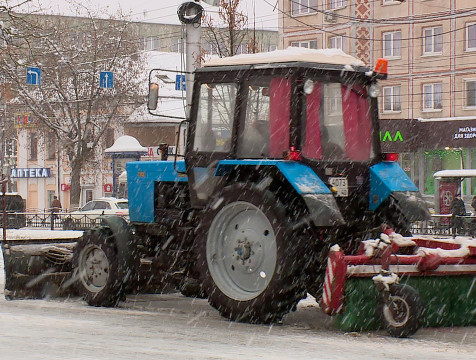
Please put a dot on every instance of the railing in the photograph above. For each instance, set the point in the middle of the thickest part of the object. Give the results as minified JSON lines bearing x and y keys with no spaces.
{"x":437,"y":225}
{"x":61,"y":220}
{"x":442,"y":224}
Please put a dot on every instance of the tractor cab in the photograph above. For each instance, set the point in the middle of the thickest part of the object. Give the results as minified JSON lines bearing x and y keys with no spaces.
{"x":316,"y":107}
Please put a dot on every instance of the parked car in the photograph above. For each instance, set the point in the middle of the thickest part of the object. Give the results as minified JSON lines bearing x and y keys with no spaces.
{"x":15,"y":211}
{"x":87,"y":216}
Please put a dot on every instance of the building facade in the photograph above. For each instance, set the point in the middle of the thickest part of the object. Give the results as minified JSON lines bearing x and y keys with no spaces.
{"x":428,"y":102}
{"x":33,"y":159}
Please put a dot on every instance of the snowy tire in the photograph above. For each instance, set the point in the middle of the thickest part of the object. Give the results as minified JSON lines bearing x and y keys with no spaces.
{"x":248,"y":256}
{"x":97,"y":268}
{"x":401,"y":313}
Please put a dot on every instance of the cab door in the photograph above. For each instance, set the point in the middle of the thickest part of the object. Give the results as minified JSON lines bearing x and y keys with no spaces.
{"x":211,"y":134}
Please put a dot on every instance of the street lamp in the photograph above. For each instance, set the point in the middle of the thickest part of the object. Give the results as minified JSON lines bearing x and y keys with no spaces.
{"x":190,"y":13}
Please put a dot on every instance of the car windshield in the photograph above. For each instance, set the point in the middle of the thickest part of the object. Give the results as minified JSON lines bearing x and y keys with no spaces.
{"x":123,"y":205}
{"x":88,"y":206}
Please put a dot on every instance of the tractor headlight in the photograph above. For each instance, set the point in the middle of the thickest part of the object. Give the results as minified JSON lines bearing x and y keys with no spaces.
{"x":308,"y":86}
{"x":374,"y":90}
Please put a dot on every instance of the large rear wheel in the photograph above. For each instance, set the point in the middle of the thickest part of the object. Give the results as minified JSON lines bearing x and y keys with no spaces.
{"x":250,"y":260}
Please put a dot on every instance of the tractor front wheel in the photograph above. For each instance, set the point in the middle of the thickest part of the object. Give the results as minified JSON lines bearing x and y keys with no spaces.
{"x":97,"y":268}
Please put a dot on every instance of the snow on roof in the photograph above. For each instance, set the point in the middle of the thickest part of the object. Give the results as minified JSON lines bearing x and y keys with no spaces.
{"x":126,"y":144}
{"x":123,"y":176}
{"x":455,"y":173}
{"x":291,"y":54}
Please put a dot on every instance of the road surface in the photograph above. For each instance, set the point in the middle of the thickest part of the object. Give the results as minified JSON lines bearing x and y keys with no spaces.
{"x":172,"y":327}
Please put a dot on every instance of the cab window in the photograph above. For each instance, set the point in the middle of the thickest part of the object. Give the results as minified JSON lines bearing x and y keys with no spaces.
{"x":338,"y":123}
{"x":215,"y":117}
{"x":265,"y":129}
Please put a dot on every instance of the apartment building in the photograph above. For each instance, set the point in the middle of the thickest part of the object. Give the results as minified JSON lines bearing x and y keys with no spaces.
{"x":428,"y":103}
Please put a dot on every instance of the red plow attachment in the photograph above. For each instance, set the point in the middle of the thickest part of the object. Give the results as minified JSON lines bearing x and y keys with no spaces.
{"x":402,"y":283}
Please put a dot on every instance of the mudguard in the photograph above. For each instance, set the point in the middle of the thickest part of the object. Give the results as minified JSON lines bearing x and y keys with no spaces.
{"x":321,"y":203}
{"x":388,"y":180}
{"x":123,"y":242}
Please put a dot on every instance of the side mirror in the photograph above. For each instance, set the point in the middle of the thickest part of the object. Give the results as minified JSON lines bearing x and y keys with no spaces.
{"x":153,"y":97}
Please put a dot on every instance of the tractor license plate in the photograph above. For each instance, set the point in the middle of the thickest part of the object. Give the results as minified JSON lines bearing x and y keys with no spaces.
{"x":340,"y":183}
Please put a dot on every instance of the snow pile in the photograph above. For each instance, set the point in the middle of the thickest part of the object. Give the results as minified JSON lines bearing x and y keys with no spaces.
{"x":400,"y":240}
{"x":24,"y":234}
{"x":461,"y":252}
{"x":386,"y":279}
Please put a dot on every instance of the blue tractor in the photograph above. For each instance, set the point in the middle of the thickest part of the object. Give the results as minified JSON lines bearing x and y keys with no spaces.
{"x":282,"y":160}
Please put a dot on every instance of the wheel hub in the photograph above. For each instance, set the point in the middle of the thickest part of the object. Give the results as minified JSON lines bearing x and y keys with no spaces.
{"x":397,"y":311}
{"x":247,"y":255}
{"x":241,"y":250}
{"x":94,"y":268}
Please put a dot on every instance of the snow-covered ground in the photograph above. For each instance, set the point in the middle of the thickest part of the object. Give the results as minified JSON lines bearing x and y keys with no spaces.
{"x":174,"y":327}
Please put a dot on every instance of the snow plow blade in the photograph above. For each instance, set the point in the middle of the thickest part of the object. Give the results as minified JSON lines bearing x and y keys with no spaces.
{"x":439,"y":273}
{"x":37,"y":263}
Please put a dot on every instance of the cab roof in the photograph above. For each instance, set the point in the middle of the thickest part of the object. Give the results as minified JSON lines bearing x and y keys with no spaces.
{"x":291,"y":55}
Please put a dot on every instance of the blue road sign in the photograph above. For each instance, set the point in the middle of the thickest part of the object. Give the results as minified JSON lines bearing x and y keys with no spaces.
{"x":33,"y":76}
{"x":106,"y":79}
{"x":180,"y":82}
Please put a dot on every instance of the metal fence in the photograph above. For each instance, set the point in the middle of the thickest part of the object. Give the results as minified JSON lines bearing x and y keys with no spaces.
{"x":437,"y":225}
{"x":443,"y":225}
{"x":58,"y":221}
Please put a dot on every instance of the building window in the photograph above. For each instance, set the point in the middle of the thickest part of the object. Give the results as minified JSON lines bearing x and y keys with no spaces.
{"x":392,"y":43}
{"x":11,"y":148}
{"x":150,"y":43}
{"x":470,"y":90}
{"x":213,"y":49}
{"x":299,"y":7}
{"x":33,"y":151}
{"x":471,"y":36}
{"x":51,"y":146}
{"x":432,"y":97}
{"x":177,"y":45}
{"x":337,"y":4}
{"x":242,"y":49}
{"x":311,"y":44}
{"x":391,"y":99}
{"x":334,"y":99}
{"x":433,"y":40}
{"x":337,"y":42}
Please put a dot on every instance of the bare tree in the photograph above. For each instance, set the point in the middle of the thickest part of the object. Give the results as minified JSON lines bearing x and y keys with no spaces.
{"x":226,"y":31}
{"x":71,"y":52}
